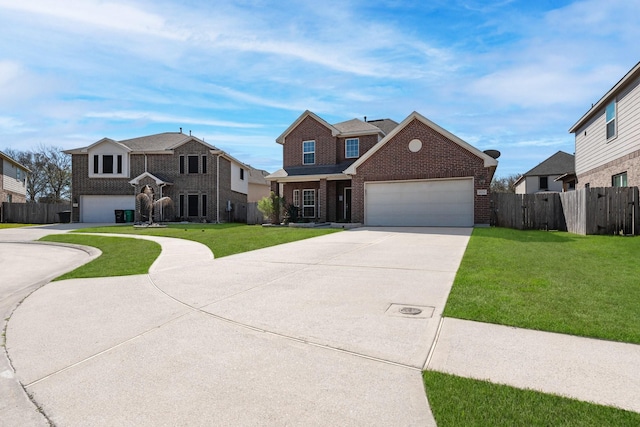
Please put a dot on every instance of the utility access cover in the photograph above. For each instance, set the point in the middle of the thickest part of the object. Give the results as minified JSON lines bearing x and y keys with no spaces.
{"x":410,"y":311}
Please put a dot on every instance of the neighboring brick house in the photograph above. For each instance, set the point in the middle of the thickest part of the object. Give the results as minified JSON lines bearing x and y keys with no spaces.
{"x":548,"y":175}
{"x":382,"y":173}
{"x":205,"y":183}
{"x":607,"y":137}
{"x":13,"y":180}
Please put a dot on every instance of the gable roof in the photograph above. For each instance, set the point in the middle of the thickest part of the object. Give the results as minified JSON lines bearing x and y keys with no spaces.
{"x":608,"y":97}
{"x":155,"y":143}
{"x":307,"y":113}
{"x":257,"y":176}
{"x":156,"y":178}
{"x":558,"y":164}
{"x":488,"y":160}
{"x":14,"y":161}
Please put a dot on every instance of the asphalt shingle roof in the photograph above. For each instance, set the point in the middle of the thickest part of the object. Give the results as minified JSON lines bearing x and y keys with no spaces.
{"x":558,"y":164}
{"x":386,"y":125}
{"x":157,"y":142}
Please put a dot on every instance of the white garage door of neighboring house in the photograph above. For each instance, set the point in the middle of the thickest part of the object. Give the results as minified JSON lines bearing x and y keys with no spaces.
{"x":102,"y":208}
{"x":434,"y":203}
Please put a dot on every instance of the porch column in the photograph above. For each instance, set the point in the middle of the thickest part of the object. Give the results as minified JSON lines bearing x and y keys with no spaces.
{"x":322,"y":201}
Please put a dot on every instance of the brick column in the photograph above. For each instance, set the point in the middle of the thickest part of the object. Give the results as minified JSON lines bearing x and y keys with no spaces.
{"x":322,"y":201}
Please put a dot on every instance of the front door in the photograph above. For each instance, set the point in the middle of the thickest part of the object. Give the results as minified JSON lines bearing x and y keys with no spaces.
{"x":347,"y":203}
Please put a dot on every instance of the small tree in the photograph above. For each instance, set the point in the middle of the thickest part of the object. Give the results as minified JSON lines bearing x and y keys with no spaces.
{"x":505,"y":184}
{"x":271,"y":207}
{"x":148,"y":205}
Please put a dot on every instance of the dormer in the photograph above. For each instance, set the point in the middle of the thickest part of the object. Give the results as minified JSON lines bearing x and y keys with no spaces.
{"x":108,"y":159}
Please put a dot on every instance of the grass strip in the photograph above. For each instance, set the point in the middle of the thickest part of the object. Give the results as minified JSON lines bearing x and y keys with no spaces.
{"x":550,"y":281}
{"x":120,"y":256}
{"x":223,"y":239}
{"x":13,"y":225}
{"x":457,"y":401}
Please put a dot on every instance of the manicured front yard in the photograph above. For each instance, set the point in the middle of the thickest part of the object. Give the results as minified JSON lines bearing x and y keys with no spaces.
{"x":223,"y":239}
{"x":551,"y":281}
{"x":120,"y":256}
{"x":457,"y":401}
{"x":124,"y":256}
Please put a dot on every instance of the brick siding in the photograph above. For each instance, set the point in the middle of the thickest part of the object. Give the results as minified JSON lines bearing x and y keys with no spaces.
{"x":438,"y":158}
{"x":601,"y":176}
{"x":166,"y":167}
{"x":310,"y":129}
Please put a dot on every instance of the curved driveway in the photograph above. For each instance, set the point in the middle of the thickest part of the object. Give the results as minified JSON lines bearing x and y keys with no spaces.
{"x":310,"y":332}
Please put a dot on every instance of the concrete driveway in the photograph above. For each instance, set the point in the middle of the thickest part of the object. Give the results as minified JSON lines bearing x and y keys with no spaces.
{"x":307,"y":333}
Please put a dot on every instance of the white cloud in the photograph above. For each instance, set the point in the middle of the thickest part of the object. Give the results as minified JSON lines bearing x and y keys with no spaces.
{"x":98,"y":14}
{"x":166,"y":118}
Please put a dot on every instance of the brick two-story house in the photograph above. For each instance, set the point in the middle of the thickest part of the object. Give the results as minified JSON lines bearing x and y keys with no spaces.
{"x":383,"y":173}
{"x":607,"y":137}
{"x":204,"y":183}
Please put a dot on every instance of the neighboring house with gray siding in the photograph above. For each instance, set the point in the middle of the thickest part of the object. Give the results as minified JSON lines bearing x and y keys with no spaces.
{"x":545,"y":176}
{"x":204,"y":183}
{"x":13,"y":180}
{"x":607,"y":137}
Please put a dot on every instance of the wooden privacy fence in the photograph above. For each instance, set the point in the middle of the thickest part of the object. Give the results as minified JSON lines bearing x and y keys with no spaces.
{"x":32,"y":213}
{"x":611,"y":210}
{"x":254,"y":216}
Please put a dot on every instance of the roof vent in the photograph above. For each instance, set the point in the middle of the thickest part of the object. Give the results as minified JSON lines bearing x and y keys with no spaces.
{"x":180,"y":130}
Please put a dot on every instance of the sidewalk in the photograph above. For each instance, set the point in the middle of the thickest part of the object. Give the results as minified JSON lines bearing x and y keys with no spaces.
{"x":604,"y":372}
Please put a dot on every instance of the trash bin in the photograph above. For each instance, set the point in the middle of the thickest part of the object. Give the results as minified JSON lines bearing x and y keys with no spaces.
{"x":119,"y":216}
{"x":65,"y":217}
{"x":128,"y":215}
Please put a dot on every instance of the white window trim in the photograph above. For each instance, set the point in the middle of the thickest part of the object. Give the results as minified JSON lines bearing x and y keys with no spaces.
{"x":614,"y":120}
{"x":114,"y":174}
{"x":309,"y":152}
{"x":309,"y":206}
{"x":346,"y":152}
{"x":296,"y":198}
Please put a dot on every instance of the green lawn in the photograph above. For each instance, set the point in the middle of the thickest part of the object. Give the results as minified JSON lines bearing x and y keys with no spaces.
{"x":120,"y":256}
{"x":223,"y":239}
{"x":457,"y":401}
{"x":123,"y":256}
{"x":13,"y":225}
{"x":551,"y":281}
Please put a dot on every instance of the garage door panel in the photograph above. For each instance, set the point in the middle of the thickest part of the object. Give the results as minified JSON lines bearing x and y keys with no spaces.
{"x":102,"y":208}
{"x":420,"y":203}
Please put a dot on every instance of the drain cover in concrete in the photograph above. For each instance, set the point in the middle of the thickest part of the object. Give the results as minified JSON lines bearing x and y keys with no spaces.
{"x":410,"y":311}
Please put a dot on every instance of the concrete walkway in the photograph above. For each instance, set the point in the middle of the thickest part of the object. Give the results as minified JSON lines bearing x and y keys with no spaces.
{"x":305,"y":333}
{"x":309,"y":333}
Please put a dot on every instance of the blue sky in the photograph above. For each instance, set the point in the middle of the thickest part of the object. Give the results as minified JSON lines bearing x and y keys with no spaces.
{"x":507,"y":75}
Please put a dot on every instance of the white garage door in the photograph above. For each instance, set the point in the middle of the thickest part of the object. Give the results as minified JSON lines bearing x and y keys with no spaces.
{"x":101,"y":208}
{"x":435,"y":203}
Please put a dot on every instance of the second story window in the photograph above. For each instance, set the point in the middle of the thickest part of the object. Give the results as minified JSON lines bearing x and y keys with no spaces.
{"x":611,"y":119}
{"x":107,"y":164}
{"x":352,"y":148}
{"x":241,"y":173}
{"x":308,"y":152}
{"x":192,"y":163}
